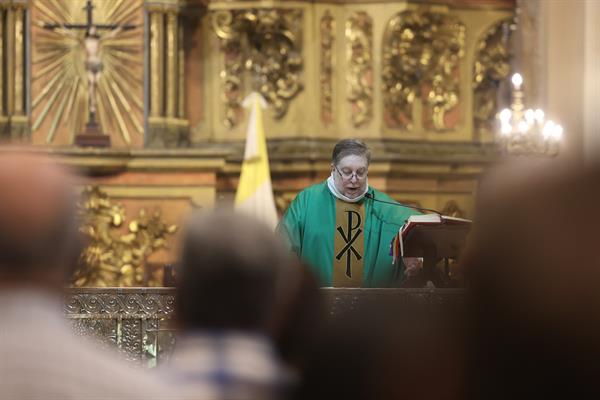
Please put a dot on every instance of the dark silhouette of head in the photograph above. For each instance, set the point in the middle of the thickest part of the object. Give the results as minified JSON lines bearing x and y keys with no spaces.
{"x":232,"y":274}
{"x":38,"y":231}
{"x":532,"y":269}
{"x":385,"y":348}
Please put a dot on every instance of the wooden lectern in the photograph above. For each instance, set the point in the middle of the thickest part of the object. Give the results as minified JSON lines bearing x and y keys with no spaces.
{"x":432,"y":237}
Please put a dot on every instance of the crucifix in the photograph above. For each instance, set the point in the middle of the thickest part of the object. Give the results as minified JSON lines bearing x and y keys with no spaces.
{"x":91,"y":42}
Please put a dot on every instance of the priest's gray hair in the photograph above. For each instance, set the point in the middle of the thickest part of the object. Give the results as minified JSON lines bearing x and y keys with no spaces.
{"x":348,"y":147}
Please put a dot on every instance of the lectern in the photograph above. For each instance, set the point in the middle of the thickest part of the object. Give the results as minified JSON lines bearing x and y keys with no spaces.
{"x":434,"y":238}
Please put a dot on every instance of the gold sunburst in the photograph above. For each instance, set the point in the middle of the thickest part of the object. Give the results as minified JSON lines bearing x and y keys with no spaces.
{"x":59,"y":75}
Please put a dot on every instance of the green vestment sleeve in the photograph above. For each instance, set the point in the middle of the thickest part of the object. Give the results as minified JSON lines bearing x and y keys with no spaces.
{"x":309,"y":224}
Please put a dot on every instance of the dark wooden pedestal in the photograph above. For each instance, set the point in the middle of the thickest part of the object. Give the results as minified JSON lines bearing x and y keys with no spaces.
{"x":92,"y":137}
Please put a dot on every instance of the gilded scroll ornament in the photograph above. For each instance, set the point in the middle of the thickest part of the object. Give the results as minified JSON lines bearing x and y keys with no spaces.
{"x":283,"y":201}
{"x":59,"y":64}
{"x":113,"y":257}
{"x":327,"y":39}
{"x":421,"y":54}
{"x":492,"y":66}
{"x":266,"y":43}
{"x":453,"y":209}
{"x":359,"y":55}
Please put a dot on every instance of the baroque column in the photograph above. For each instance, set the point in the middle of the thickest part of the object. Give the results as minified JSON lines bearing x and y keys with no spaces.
{"x":19,"y":120}
{"x":156,"y":64}
{"x":172,"y":56}
{"x":14,"y":121}
{"x":167,"y":124}
{"x":2,"y":108}
{"x":181,"y":75}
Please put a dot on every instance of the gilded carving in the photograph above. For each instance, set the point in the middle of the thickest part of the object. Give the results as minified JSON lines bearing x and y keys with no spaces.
{"x":148,"y":339}
{"x":421,"y":54}
{"x":134,"y":321}
{"x":266,"y":43}
{"x":283,"y":201}
{"x":114,"y":257}
{"x":492,"y":66}
{"x":453,"y":209}
{"x":327,"y":40}
{"x":359,"y":55}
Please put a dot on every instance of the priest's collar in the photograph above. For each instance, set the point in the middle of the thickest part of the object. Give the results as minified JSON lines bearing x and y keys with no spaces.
{"x":334,"y":191}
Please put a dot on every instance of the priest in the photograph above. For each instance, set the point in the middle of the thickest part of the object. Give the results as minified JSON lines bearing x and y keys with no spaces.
{"x":342,"y":227}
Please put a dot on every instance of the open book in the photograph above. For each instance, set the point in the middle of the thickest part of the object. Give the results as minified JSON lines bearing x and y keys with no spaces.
{"x":414,"y":221}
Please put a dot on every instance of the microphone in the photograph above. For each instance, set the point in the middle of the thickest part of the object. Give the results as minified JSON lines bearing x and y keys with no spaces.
{"x":372,"y":197}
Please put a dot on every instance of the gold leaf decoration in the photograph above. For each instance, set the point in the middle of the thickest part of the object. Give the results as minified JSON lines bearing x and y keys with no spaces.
{"x":421,"y":53}
{"x":492,"y":66}
{"x":267,"y":43}
{"x":327,"y":40}
{"x":359,"y":55}
{"x":59,"y":68}
{"x":113,"y":257}
{"x":453,"y":209}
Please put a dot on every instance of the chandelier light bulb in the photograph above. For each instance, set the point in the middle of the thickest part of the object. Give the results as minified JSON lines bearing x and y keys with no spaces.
{"x":549,"y":129}
{"x":517,"y":80}
{"x":530,"y":116}
{"x":505,"y":115}
{"x":558,"y":132}
{"x":506,"y":129}
{"x":539,"y":115}
{"x":523,"y":126}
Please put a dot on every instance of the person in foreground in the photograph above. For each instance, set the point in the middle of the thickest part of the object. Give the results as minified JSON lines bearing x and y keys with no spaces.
{"x":40,"y":358}
{"x":233,"y":275}
{"x":533,"y":269}
{"x":342,"y":228}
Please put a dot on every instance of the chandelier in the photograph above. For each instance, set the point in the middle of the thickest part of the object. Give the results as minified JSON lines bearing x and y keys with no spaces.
{"x":526,"y":131}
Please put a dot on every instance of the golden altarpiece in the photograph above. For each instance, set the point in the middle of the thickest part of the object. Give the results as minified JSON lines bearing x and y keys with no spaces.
{"x":418,"y":80}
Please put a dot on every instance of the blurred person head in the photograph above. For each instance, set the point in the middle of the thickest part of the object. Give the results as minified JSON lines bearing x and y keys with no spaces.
{"x":38,"y":231}
{"x":39,"y":244}
{"x":300,"y":319}
{"x":532,"y":270}
{"x":232,"y":274}
{"x":350,"y":166}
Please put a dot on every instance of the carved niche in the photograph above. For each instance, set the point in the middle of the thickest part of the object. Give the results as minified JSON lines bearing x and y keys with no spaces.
{"x":421,"y":54}
{"x":267,"y":43}
{"x":327,"y":28}
{"x":359,"y":57}
{"x":492,"y":66}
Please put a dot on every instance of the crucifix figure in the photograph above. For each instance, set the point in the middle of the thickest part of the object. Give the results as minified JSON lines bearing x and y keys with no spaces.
{"x":93,"y":66}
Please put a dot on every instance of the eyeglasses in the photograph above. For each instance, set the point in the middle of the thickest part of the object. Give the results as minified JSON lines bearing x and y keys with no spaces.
{"x":347,"y":175}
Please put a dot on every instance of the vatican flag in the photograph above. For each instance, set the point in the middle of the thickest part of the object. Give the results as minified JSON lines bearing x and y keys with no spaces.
{"x":255,"y":194}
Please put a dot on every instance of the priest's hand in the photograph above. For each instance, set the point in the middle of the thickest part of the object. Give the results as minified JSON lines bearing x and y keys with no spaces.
{"x":413,"y":265}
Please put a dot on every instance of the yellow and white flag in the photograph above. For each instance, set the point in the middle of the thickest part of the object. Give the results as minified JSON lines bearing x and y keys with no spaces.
{"x":255,"y":194}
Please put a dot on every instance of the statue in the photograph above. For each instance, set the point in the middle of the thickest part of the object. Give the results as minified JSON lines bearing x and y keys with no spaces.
{"x":92,"y":43}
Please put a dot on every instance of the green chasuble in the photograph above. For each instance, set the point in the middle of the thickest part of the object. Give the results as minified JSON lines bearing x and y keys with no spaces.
{"x":311,"y":229}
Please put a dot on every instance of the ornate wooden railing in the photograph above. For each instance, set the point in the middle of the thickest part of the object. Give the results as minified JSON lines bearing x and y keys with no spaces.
{"x":137,"y":320}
